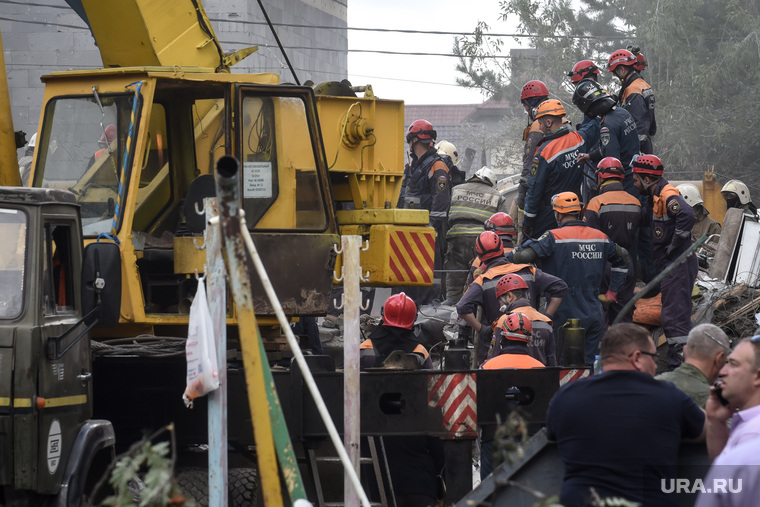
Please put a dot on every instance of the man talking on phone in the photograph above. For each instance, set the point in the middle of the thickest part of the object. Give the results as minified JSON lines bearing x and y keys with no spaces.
{"x":739,"y":385}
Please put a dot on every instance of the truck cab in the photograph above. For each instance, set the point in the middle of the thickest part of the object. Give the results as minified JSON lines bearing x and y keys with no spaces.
{"x":47,"y":436}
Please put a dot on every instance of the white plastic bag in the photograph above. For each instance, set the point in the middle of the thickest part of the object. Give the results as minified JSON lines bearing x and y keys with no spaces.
{"x":202,"y":369}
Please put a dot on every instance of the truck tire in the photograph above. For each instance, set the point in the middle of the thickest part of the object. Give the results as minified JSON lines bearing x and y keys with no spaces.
{"x":243,"y":486}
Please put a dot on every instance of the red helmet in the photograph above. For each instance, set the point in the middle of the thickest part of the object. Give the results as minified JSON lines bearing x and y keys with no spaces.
{"x":400,"y":311}
{"x":641,"y":62}
{"x":488,"y":245}
{"x":566,"y":202}
{"x":620,"y":57}
{"x":648,"y":165}
{"x":517,"y":327}
{"x":502,"y":224}
{"x":422,"y":130}
{"x":534,"y":88}
{"x":610,"y":168}
{"x":582,"y":70}
{"x":508,"y":283}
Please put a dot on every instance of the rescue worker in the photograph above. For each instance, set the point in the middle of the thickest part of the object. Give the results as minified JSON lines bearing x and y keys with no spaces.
{"x":616,"y":213}
{"x":447,"y":149}
{"x":617,"y":132}
{"x":703,"y":224}
{"x":533,"y":93}
{"x":503,"y":225}
{"x":25,"y":162}
{"x":426,"y":185}
{"x":394,"y":333}
{"x":555,"y":166}
{"x":414,"y":462}
{"x":635,"y":95}
{"x":472,"y":203}
{"x":515,"y":331}
{"x":577,"y":254}
{"x":672,"y":220}
{"x":584,"y":69}
{"x":736,"y":195}
{"x":512,"y":292}
{"x":482,"y":291}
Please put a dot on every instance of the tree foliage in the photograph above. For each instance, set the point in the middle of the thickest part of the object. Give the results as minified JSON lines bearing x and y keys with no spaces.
{"x":704,"y":66}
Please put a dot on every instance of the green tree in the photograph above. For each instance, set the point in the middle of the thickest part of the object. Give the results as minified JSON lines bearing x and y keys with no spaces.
{"x":704,"y":66}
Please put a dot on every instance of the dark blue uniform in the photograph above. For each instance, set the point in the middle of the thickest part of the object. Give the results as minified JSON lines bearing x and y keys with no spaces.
{"x":671,"y":220}
{"x":618,"y":138}
{"x":637,"y":97}
{"x":555,"y":169}
{"x":577,"y":254}
{"x":616,"y":213}
{"x":426,"y":185}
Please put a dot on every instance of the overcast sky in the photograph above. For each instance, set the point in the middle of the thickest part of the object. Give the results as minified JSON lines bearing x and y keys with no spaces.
{"x":415,"y":79}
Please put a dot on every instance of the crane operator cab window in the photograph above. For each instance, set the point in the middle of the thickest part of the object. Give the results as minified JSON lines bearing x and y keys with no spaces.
{"x":281,"y":188}
{"x":13,"y":247}
{"x":82,"y":148}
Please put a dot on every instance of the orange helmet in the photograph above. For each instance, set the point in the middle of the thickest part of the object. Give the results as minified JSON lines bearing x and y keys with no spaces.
{"x":551,"y":107}
{"x":582,"y":70}
{"x":488,"y":245}
{"x":422,"y":130}
{"x":620,"y":57}
{"x":508,"y":283}
{"x":648,"y":165}
{"x":610,"y":168}
{"x":502,"y":224}
{"x":399,"y":311}
{"x":517,"y":327}
{"x":566,"y":202}
{"x":534,"y":88}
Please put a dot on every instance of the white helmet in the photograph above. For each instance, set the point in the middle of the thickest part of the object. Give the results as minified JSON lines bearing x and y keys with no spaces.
{"x":486,"y":175}
{"x":739,"y":188}
{"x":33,"y":141}
{"x":446,"y":148}
{"x":690,"y":194}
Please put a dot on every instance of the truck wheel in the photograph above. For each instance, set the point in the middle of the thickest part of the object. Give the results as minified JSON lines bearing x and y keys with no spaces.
{"x":243,"y":489}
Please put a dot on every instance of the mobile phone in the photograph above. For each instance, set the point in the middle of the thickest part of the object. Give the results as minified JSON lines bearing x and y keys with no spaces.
{"x":719,"y":392}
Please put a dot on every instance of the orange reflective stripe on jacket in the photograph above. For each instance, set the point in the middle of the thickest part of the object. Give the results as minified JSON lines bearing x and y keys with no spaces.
{"x":438,"y":165}
{"x":660,"y":201}
{"x":521,"y":361}
{"x":504,"y":269}
{"x":638,"y":86}
{"x":367,"y":346}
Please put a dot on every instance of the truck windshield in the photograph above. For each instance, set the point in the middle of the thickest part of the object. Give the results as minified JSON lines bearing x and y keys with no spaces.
{"x":13,"y":225}
{"x":82,"y":150}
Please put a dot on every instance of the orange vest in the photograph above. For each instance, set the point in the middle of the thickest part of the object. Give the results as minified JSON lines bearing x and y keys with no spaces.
{"x":504,"y":269}
{"x":660,"y":201}
{"x":521,"y":361}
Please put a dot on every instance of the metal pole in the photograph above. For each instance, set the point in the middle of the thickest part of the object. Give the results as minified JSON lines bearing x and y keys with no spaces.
{"x":217,"y":400}
{"x":352,"y":300}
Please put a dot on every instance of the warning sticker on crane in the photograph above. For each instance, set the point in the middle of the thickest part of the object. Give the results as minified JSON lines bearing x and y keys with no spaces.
{"x":412,"y":255}
{"x":456,"y":395}
{"x":566,"y":376}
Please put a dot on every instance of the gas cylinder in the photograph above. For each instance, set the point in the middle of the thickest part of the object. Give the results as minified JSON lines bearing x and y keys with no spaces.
{"x":572,"y":348}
